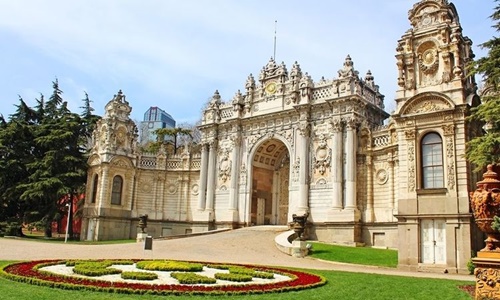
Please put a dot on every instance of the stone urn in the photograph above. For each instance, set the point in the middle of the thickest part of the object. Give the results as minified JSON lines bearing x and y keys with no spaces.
{"x":485,"y":204}
{"x":143,"y":222}
{"x":299,"y":225}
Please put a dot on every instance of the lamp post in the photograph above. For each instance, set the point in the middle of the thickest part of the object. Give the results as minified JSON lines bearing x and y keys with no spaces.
{"x":68,"y":205}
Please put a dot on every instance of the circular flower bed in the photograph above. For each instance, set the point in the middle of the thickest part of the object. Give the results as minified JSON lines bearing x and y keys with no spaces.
{"x":41,"y":273}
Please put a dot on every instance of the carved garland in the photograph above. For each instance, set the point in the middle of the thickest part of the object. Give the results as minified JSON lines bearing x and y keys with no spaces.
{"x":451,"y":164}
{"x":410,"y":135}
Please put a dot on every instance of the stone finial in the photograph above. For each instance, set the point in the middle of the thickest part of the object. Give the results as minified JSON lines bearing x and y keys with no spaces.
{"x":296,"y":72}
{"x":250,"y":84}
{"x":348,"y":69}
{"x":370,"y":79}
{"x":490,"y":179}
{"x":215,"y":101}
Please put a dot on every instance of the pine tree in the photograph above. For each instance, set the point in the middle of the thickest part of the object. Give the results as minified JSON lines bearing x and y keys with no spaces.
{"x":485,"y":149}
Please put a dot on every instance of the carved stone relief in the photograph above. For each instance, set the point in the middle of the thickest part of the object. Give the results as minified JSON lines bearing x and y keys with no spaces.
{"x":243,"y":174}
{"x":322,"y":157}
{"x":381,"y":176}
{"x":146,"y":185}
{"x":225,"y":167}
{"x":195,"y":189}
{"x":450,"y":151}
{"x":296,"y":170}
{"x":411,"y":166}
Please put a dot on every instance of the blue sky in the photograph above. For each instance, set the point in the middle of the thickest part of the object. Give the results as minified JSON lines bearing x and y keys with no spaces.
{"x":175,"y":54}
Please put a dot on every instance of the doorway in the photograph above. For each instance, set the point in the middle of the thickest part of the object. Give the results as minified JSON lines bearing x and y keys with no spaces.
{"x":270,"y":184}
{"x":433,"y":239}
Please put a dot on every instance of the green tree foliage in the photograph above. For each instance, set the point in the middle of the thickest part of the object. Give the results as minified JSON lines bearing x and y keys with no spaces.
{"x":43,"y":159}
{"x":161,"y":133}
{"x":485,"y":149}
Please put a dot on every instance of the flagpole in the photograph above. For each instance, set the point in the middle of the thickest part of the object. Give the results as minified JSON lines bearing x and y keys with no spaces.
{"x":274,"y":52}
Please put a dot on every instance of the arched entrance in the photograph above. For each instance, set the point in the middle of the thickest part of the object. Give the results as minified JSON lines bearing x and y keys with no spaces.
{"x":270,"y":184}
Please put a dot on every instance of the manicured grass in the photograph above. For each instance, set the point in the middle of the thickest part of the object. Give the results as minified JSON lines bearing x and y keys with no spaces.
{"x":356,"y":255}
{"x":341,"y":285}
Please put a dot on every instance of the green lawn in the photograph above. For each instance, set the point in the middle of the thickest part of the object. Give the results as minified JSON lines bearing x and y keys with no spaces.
{"x":341,"y":285}
{"x":356,"y":255}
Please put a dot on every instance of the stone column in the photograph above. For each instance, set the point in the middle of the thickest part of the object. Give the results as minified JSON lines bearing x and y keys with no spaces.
{"x":303,"y":152}
{"x":211,"y":176}
{"x":203,"y":177}
{"x":369,"y":189}
{"x":350,"y":165}
{"x":104,"y":182}
{"x":337,"y":166}
{"x":235,"y":174}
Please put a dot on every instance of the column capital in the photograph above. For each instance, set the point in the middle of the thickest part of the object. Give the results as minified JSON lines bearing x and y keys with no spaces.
{"x":351,"y":123}
{"x":336,"y":125}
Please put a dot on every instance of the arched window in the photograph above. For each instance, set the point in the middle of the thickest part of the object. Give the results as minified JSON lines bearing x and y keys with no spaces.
{"x":432,"y":161}
{"x":116,"y":192}
{"x":94,"y":188}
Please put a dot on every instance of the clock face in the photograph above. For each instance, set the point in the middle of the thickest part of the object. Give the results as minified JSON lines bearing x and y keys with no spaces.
{"x":271,"y":87}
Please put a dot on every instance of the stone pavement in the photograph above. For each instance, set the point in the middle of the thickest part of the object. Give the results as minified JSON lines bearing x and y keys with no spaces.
{"x":251,"y":245}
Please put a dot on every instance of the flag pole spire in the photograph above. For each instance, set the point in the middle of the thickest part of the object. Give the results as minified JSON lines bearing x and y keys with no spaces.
{"x":274,"y":52}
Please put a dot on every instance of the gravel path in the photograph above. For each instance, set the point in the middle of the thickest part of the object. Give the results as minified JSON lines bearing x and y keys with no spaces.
{"x":252,"y":245}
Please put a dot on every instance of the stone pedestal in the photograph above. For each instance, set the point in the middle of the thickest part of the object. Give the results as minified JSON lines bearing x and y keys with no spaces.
{"x":299,"y":248}
{"x":487,"y":273}
{"x":141,"y":237}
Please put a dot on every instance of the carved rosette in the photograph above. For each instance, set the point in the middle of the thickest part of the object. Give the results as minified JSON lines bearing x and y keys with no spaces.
{"x":322,"y":156}
{"x":382,"y":176}
{"x":428,"y":61}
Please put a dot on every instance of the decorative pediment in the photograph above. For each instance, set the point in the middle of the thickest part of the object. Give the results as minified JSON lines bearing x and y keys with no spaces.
{"x":426,"y":103}
{"x":122,"y":163}
{"x":94,"y":160}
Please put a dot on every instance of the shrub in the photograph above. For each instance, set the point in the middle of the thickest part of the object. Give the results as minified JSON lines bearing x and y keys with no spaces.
{"x":192,"y":278}
{"x":233,"y":277}
{"x":90,"y":270}
{"x":94,"y":268}
{"x":251,"y":272}
{"x":139,"y":275}
{"x":169,"y":266}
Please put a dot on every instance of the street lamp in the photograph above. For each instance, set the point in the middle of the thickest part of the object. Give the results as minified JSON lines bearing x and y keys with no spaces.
{"x":68,"y":205}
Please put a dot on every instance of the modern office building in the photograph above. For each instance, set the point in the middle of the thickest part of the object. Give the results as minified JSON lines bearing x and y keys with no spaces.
{"x":154,"y":118}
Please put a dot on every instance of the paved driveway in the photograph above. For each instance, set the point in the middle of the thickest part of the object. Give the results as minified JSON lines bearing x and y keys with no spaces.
{"x":252,"y":245}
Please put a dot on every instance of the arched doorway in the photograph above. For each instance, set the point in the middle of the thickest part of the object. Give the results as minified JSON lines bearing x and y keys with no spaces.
{"x":270,"y":184}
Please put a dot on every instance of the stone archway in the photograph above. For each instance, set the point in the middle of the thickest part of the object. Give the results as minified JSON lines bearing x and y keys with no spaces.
{"x":270,"y":184}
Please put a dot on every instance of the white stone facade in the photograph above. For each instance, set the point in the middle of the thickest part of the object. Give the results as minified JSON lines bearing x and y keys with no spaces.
{"x":288,"y":145}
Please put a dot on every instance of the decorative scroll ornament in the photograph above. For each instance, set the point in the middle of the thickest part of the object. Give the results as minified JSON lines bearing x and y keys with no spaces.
{"x":322,"y":156}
